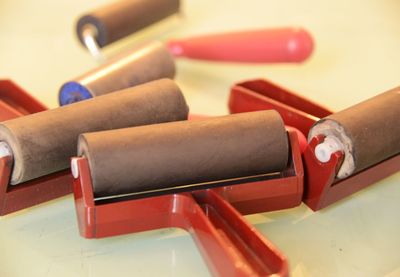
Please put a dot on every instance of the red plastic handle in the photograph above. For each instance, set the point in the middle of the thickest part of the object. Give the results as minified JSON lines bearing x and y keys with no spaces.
{"x":258,"y":46}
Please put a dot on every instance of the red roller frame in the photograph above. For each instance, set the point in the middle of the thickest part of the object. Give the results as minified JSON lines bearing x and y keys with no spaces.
{"x":320,"y":186}
{"x":229,"y":245}
{"x":323,"y":189}
{"x":213,"y":217}
{"x":15,"y":102}
{"x":256,"y":95}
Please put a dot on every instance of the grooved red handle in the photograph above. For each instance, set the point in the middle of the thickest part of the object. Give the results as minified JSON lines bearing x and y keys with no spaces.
{"x":278,"y":45}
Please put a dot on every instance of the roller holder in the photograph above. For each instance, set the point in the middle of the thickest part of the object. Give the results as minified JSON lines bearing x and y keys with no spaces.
{"x":320,"y":186}
{"x":229,"y":245}
{"x":323,"y":189}
{"x":257,"y":95}
{"x":15,"y":102}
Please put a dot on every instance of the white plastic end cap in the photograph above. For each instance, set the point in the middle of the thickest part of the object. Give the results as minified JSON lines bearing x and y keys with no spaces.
{"x":5,"y":150}
{"x":324,"y":151}
{"x":74,"y":168}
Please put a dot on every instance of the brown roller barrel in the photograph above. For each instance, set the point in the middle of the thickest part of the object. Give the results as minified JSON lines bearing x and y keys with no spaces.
{"x":122,"y":18}
{"x":368,"y":132}
{"x":43,"y":143}
{"x":137,"y":66}
{"x":186,"y":152}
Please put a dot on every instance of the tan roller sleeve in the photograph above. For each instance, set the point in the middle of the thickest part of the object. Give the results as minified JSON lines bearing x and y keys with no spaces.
{"x":368,"y":131}
{"x":121,"y":18}
{"x":142,"y":64}
{"x":186,"y":152}
{"x":43,"y":143}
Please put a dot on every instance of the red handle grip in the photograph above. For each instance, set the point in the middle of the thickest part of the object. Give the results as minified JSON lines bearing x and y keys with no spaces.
{"x":260,"y":46}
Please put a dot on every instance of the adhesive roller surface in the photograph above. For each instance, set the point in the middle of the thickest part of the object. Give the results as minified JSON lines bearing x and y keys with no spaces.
{"x":186,"y":152}
{"x":369,"y":131}
{"x":122,"y":18}
{"x":43,"y":143}
{"x":137,"y":66}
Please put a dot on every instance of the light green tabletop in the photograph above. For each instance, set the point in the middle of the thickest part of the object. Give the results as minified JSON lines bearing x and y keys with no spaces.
{"x":357,"y":56}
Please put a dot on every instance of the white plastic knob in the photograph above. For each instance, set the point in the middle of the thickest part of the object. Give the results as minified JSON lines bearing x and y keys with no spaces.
{"x":74,"y":168}
{"x":5,"y":150}
{"x":324,"y":151}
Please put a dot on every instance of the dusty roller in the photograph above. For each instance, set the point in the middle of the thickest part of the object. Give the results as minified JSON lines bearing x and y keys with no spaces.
{"x":43,"y":143}
{"x":112,"y":22}
{"x":185,"y":153}
{"x":367,"y":133}
{"x":142,"y":64}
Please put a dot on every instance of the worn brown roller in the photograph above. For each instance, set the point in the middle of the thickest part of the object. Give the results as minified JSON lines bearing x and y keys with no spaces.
{"x":186,"y":152}
{"x":137,"y":66}
{"x":368,"y":132}
{"x":43,"y":143}
{"x":122,"y":18}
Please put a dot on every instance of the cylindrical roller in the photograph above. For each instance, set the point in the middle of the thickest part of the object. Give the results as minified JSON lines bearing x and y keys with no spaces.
{"x":43,"y":143}
{"x":186,"y":152}
{"x":368,"y":133}
{"x":122,"y":18}
{"x":140,"y":65}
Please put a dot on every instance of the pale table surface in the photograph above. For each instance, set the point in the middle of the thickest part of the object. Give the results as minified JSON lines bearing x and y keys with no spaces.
{"x":357,"y":56}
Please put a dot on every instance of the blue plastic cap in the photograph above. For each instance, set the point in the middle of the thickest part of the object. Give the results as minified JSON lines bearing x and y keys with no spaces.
{"x":72,"y":92}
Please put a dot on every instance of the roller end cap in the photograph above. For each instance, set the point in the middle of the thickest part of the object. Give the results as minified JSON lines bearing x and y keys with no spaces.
{"x":72,"y":92}
{"x":324,"y":151}
{"x":74,"y":168}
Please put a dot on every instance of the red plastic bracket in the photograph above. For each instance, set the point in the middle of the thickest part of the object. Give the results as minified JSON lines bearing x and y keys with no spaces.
{"x":323,"y":189}
{"x":230,"y":246}
{"x":256,"y":95}
{"x":15,"y":102}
